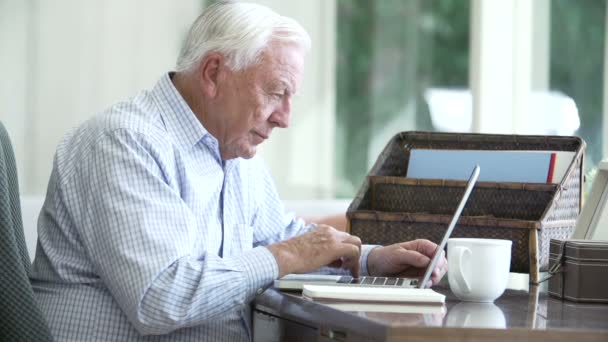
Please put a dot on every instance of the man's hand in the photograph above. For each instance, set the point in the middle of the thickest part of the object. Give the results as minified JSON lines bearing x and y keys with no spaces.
{"x":322,"y":246}
{"x":406,"y":259}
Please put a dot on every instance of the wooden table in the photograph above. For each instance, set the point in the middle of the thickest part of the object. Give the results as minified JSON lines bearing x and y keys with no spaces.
{"x":518,"y":315}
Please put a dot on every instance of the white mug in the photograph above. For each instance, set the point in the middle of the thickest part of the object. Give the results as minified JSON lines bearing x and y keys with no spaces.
{"x":478,"y":269}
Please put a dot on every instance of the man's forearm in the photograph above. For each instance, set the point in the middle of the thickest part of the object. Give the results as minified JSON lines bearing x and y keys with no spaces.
{"x":193,"y":291}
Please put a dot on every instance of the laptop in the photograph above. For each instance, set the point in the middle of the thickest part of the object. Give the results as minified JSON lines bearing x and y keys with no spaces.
{"x":297,"y":281}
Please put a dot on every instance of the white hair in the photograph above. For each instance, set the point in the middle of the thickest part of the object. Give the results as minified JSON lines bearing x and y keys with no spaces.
{"x":239,"y":31}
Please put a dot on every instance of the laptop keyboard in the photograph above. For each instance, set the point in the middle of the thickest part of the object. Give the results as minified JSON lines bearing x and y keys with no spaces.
{"x":379,"y":281}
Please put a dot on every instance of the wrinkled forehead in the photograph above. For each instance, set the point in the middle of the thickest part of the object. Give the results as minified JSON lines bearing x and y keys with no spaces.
{"x":282,"y":62}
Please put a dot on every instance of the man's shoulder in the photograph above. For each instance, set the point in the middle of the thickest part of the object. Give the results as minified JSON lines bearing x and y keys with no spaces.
{"x":138,"y":116}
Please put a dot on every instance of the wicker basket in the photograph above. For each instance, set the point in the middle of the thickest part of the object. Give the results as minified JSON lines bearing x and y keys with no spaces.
{"x":390,"y":208}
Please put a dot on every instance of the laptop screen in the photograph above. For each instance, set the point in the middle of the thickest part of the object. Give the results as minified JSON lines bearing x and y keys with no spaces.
{"x":448,"y":232}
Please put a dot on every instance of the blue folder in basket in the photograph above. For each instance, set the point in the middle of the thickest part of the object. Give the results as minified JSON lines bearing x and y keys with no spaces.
{"x":497,"y":166}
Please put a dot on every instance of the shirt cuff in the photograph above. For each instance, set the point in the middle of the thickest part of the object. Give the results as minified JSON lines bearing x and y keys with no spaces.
{"x":260,"y":269}
{"x":365,"y":249}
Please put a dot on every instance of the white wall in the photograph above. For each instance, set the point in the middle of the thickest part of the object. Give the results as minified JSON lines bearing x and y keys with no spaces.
{"x":14,"y":42}
{"x":30,"y":210}
{"x":62,"y":61}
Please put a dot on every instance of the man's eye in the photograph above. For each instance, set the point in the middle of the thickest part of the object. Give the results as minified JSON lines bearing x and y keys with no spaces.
{"x":278,"y":95}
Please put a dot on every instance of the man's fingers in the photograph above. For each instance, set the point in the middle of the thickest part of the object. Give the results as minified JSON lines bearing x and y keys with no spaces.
{"x":353,"y":240}
{"x":440,"y":270}
{"x":349,"y":254}
{"x":410,"y":258}
{"x":442,"y":262}
{"x":407,"y":259}
{"x":423,"y":246}
{"x":322,"y":246}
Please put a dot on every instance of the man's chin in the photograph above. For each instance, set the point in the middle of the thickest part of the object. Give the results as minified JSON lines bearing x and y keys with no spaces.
{"x":249,"y":153}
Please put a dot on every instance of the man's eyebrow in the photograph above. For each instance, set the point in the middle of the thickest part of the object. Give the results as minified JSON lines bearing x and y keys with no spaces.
{"x":288,"y":85}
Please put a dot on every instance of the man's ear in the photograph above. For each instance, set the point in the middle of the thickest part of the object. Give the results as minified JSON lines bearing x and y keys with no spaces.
{"x":209,"y":71}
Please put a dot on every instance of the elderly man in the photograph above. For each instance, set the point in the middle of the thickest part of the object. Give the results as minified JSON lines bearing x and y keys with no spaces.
{"x":159,"y":221}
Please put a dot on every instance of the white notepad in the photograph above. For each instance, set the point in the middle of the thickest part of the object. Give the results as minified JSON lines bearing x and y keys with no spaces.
{"x":372,"y":294}
{"x":403,"y":308}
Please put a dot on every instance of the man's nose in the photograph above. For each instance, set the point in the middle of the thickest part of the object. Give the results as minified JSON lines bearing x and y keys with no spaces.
{"x":282,"y":115}
{"x":281,"y":119}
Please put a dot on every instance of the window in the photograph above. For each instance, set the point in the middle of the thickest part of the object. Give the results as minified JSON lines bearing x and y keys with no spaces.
{"x":389,"y":53}
{"x":537,"y":68}
{"x":577,"y":64}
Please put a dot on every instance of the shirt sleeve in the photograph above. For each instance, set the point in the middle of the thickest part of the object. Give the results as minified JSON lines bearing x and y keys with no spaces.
{"x":139,"y":235}
{"x":363,"y":271}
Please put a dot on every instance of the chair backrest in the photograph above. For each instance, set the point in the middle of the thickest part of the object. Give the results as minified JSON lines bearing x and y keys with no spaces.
{"x":21,"y":319}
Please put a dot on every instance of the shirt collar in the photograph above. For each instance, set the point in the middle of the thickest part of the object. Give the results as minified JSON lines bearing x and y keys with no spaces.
{"x":179,"y":119}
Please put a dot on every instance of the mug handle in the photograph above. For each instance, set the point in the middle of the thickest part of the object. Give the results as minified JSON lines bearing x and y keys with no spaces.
{"x":459,"y":255}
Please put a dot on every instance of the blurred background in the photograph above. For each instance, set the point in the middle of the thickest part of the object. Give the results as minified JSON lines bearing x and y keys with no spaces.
{"x":376,"y":68}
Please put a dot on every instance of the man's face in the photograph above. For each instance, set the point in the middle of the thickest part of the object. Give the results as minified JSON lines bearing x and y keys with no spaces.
{"x":254,"y":101}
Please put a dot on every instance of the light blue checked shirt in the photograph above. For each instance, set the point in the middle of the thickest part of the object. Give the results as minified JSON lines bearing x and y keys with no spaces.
{"x":146,"y":234}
